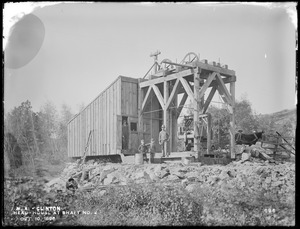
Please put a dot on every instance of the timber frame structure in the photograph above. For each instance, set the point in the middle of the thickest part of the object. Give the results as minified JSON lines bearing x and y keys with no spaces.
{"x":191,"y":78}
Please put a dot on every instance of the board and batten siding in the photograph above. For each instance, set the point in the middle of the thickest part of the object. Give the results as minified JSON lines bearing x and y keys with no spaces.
{"x":103,"y":116}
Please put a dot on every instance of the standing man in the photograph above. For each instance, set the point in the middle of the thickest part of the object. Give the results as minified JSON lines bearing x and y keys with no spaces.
{"x":163,"y":137}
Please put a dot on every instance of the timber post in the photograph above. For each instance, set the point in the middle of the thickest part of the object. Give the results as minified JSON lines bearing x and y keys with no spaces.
{"x":196,"y":111}
{"x":166,"y":113}
{"x":232,"y":121}
{"x":208,"y":132}
{"x":140,"y":112}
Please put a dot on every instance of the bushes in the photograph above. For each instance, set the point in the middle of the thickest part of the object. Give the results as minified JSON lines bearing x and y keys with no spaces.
{"x":144,"y":205}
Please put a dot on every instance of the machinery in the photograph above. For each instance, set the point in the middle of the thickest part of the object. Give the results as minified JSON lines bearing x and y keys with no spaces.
{"x":187,"y":134}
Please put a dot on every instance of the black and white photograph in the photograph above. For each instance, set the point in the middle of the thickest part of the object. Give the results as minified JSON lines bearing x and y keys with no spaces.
{"x":149,"y":113}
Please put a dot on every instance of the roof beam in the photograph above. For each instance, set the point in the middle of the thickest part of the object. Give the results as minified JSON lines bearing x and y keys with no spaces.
{"x":167,"y":78}
{"x":209,"y":67}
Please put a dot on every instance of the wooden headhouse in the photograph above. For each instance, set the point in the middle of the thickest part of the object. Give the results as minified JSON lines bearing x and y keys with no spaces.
{"x":133,"y":109}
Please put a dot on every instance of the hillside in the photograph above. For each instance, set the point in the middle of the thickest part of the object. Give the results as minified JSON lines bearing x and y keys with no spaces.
{"x":281,"y":116}
{"x":284,"y":121}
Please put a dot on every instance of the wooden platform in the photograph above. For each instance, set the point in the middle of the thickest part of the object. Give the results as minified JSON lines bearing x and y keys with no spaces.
{"x":212,"y":160}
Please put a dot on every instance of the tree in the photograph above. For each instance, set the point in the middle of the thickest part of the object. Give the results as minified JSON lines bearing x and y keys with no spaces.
{"x":20,"y":132}
{"x":12,"y":151}
{"x":244,"y":117}
{"x":66,"y":115}
{"x":220,"y":125}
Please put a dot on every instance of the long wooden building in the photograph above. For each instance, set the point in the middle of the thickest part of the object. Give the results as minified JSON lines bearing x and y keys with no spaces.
{"x":133,"y":109}
{"x":103,"y":117}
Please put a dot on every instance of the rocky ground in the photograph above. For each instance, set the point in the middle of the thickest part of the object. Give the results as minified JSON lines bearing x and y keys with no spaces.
{"x":250,"y":191}
{"x":255,"y":190}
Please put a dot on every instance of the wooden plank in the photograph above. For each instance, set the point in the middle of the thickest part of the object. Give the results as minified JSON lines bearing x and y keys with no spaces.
{"x":113,"y":119}
{"x":173,"y":93}
{"x":146,"y":98}
{"x":167,"y":78}
{"x":96,"y":131}
{"x":140,"y":114}
{"x":73,"y":139}
{"x":187,"y":88}
{"x":223,"y":71}
{"x":206,"y":84}
{"x":223,"y":88}
{"x":108,"y":108}
{"x":92,"y":127}
{"x":77,"y":135}
{"x":158,"y":95}
{"x":101,"y":126}
{"x":166,"y":112}
{"x":104,"y":111}
{"x":129,"y":79}
{"x":197,"y":108}
{"x":88,"y":126}
{"x":70,"y":139}
{"x":209,"y":98}
{"x":135,"y":99}
{"x":130,"y":104}
{"x":181,"y":104}
{"x":82,"y":140}
{"x":232,"y":121}
{"x":110,"y":119}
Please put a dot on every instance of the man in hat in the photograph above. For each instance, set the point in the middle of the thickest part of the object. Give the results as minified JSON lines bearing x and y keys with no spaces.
{"x":163,"y":137}
{"x":239,"y":135}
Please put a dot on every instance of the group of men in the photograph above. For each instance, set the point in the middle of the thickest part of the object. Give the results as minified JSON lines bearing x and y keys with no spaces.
{"x":163,"y":137}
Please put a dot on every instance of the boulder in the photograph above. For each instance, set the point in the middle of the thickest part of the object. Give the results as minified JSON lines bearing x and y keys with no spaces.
{"x":141,"y":174}
{"x":109,"y":179}
{"x":191,"y":187}
{"x":164,"y":173}
{"x":173,"y":177}
{"x":56,"y":184}
{"x":232,"y":173}
{"x":239,"y":149}
{"x":104,"y":174}
{"x":184,"y":183}
{"x":153,"y":177}
{"x":224,"y":175}
{"x":245,"y":156}
{"x":179,"y":175}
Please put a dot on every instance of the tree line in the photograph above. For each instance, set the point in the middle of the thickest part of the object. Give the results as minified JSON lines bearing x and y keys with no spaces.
{"x":31,"y":136}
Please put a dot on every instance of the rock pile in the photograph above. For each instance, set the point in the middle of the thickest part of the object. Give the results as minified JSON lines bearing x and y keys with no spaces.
{"x":278,"y":178}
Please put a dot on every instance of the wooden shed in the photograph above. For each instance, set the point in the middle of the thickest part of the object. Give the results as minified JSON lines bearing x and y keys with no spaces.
{"x":105,"y":117}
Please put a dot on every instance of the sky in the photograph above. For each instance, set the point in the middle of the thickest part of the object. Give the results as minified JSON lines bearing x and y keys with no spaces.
{"x":68,"y":53}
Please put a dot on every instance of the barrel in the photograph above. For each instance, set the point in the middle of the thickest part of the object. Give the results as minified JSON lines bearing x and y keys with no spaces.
{"x":185,"y":160}
{"x":139,"y":159}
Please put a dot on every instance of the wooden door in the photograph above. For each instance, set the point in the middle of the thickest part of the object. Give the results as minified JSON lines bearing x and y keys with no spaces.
{"x":119,"y":133}
{"x":133,"y":133}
